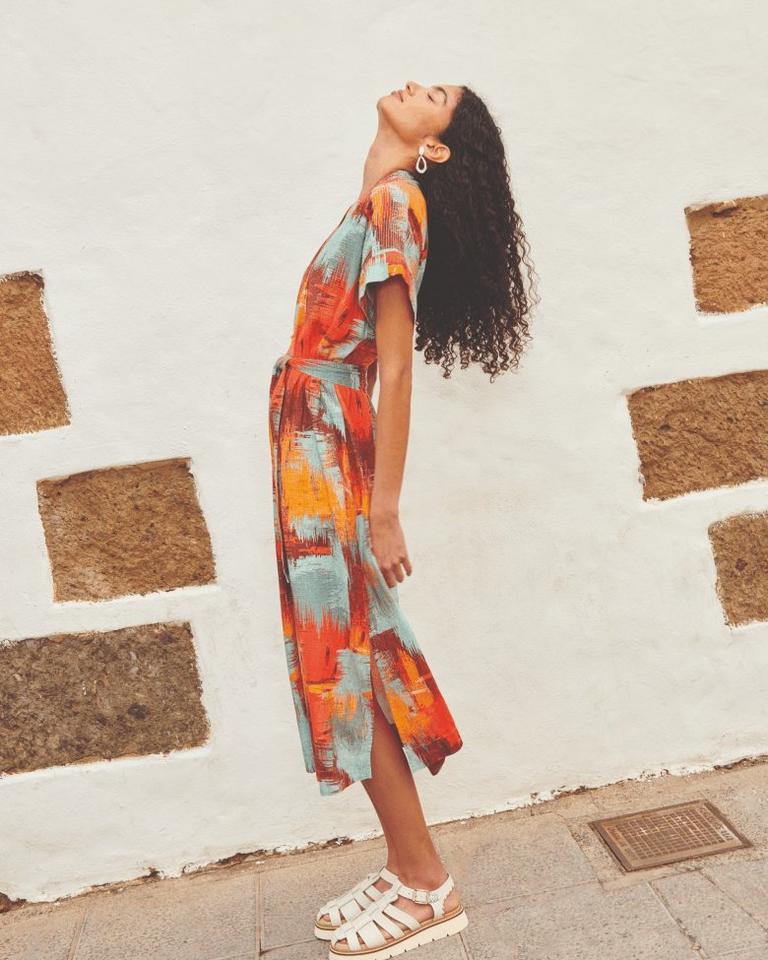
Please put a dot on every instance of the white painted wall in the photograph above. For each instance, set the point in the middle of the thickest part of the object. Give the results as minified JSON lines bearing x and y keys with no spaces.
{"x":171,"y":168}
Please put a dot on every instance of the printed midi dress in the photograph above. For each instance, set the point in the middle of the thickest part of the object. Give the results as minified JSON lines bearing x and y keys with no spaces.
{"x":340,"y":619}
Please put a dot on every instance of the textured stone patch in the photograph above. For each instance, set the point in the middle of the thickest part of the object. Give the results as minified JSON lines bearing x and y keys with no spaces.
{"x":94,"y":696}
{"x":729,"y":253}
{"x":701,"y":433}
{"x":740,"y":546}
{"x":125,"y":530}
{"x":31,"y":394}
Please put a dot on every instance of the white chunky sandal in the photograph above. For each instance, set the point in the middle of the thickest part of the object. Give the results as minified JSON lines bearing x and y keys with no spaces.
{"x":362,"y":935}
{"x":351,"y":904}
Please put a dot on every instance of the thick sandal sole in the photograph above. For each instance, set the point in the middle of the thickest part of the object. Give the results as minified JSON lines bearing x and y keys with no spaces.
{"x":435,"y":930}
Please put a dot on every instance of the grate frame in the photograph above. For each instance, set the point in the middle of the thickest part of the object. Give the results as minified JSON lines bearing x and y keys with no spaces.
{"x":616,"y":834}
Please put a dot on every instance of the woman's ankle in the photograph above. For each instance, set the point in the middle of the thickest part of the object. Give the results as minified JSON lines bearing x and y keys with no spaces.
{"x":424,"y":878}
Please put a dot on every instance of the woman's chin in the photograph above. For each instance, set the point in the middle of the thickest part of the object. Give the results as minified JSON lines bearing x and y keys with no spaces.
{"x":385,"y":108}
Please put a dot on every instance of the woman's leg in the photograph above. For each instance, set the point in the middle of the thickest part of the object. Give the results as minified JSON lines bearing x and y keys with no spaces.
{"x":379,"y":698}
{"x":392,"y":790}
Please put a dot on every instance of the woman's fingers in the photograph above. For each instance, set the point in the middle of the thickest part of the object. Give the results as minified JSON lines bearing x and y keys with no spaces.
{"x":396,"y":571}
{"x":390,"y":552}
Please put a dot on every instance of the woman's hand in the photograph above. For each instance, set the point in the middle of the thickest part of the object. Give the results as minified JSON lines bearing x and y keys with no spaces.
{"x":388,"y":546}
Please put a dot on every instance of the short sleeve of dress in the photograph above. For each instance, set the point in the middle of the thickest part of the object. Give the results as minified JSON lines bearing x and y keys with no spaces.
{"x":395,"y":241}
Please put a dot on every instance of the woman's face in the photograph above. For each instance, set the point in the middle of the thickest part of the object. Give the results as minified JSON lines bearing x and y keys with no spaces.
{"x":416,"y":112}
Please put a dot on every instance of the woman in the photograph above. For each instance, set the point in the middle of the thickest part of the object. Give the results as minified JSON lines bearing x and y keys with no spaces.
{"x":367,"y":705}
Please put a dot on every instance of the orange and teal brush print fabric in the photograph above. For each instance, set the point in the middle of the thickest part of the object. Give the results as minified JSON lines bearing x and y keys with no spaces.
{"x":340,"y":619}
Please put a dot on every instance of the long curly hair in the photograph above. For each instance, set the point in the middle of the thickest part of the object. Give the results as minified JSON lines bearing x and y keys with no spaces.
{"x":473,"y":299}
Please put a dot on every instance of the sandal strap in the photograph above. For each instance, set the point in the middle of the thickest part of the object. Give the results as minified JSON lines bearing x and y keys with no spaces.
{"x":352,"y":907}
{"x":348,"y":905}
{"x":403,"y":916}
{"x":428,"y":896}
{"x":387,"y":875}
{"x":383,"y":920}
{"x":361,"y":919}
{"x":368,"y":925}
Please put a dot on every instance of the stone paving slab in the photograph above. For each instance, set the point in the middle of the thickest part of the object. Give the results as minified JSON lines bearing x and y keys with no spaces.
{"x":713,"y":921}
{"x":745,"y":882}
{"x":744,"y":800}
{"x":618,"y":798}
{"x":450,"y":948}
{"x":538,"y":884}
{"x":44,"y":935}
{"x":581,"y":922}
{"x":292,"y":895}
{"x":492,"y":858}
{"x":186,"y":919}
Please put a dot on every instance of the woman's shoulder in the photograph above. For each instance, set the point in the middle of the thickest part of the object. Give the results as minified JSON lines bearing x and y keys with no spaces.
{"x":398,"y":189}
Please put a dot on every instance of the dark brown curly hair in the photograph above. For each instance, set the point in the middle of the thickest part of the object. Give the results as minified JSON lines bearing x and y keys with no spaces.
{"x":472,"y":299}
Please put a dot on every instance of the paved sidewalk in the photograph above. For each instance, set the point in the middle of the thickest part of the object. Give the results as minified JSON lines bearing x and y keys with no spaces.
{"x":537,"y":884}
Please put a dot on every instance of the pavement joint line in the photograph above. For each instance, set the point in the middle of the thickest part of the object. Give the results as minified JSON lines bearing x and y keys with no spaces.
{"x":290,"y":943}
{"x":737,"y":953}
{"x":694,"y":943}
{"x":232,"y":956}
{"x":724,"y":893}
{"x":465,"y":946}
{"x":258,"y":925}
{"x":78,"y":934}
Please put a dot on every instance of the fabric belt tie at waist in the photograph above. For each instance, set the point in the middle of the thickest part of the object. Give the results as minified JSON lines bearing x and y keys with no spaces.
{"x":332,"y":371}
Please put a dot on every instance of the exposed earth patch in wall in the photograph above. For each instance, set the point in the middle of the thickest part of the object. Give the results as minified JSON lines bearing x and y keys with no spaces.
{"x":99,"y":695}
{"x":740,"y":545}
{"x":125,"y":530}
{"x":729,"y":253}
{"x":32,"y":397}
{"x":702,"y":433}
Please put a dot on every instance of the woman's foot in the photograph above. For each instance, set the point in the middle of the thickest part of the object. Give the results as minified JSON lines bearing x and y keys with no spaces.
{"x":325,"y":924}
{"x":421,"y":912}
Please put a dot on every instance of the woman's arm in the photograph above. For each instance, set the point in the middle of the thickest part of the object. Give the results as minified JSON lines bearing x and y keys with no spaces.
{"x":394,"y":346}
